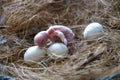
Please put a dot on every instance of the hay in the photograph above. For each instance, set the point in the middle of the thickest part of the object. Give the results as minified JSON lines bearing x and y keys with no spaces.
{"x":22,"y":19}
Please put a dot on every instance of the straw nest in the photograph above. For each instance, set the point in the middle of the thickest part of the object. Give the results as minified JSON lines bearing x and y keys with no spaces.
{"x":20,"y":20}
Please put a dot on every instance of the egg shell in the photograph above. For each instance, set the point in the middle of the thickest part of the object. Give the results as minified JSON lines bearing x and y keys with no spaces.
{"x":93,"y":30}
{"x":58,"y":50}
{"x":34,"y":53}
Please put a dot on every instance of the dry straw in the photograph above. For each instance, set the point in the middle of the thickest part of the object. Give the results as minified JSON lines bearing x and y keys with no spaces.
{"x":24,"y":18}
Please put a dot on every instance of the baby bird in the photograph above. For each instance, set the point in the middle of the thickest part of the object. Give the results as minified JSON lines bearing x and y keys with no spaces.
{"x":41,"y":39}
{"x":60,"y":32}
{"x":55,"y":34}
{"x":64,"y":34}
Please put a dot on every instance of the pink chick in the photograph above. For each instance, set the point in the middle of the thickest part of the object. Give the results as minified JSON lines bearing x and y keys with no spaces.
{"x":41,"y":39}
{"x":64,"y":34}
{"x":59,"y":32}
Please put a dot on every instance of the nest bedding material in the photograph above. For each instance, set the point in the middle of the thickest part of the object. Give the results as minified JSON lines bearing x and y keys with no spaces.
{"x":24,"y":18}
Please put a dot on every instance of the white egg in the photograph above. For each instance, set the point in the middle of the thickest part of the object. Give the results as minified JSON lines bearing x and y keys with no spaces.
{"x":34,"y":53}
{"x":93,"y":30}
{"x":58,"y":50}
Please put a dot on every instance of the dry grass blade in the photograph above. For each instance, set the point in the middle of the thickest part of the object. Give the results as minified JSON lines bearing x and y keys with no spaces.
{"x":90,"y":57}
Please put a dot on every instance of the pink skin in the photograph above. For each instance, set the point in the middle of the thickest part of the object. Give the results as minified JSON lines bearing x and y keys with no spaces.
{"x":58,"y":36}
{"x":41,"y":39}
{"x":54,"y":34}
{"x":64,"y":33}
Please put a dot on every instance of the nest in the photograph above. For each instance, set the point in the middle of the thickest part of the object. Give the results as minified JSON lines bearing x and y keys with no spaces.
{"x":20,"y":20}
